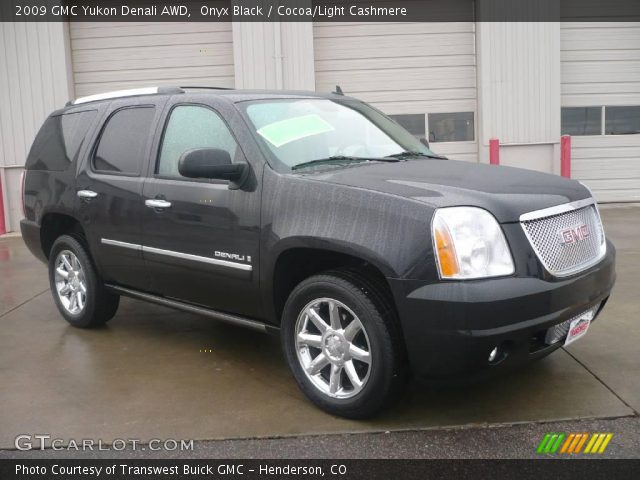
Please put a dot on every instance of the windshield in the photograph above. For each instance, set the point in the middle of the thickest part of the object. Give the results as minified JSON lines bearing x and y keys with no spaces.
{"x":303,"y":131}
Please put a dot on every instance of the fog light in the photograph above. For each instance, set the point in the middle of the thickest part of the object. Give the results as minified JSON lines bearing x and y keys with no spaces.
{"x":493,"y":355}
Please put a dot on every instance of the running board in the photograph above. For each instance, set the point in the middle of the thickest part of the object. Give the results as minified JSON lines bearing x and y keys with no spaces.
{"x":186,"y":307}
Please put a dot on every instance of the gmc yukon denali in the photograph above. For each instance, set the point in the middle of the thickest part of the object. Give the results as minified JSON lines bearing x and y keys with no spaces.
{"x":316,"y":217}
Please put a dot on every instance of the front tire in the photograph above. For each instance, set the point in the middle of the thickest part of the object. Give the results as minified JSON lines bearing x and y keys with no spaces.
{"x":77,"y":289}
{"x":342,"y":343}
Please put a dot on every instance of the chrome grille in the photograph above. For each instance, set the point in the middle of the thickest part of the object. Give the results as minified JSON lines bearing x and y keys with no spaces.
{"x":557,"y":332}
{"x":546,"y":236}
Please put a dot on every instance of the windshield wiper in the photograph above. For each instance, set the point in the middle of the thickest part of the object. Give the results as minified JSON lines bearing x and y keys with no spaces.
{"x":340,"y":158}
{"x":412,"y":153}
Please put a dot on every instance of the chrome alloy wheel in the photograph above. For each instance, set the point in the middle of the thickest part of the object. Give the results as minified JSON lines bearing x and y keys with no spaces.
{"x":333,"y":348}
{"x":70,"y":282}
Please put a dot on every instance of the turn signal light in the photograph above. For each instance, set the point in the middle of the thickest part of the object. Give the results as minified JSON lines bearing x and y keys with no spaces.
{"x":446,"y":251}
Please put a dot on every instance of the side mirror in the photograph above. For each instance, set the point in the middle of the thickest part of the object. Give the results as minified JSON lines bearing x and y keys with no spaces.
{"x":424,"y":141}
{"x":211,"y":163}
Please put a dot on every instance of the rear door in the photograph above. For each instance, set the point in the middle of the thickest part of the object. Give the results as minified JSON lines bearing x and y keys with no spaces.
{"x":201,"y":237}
{"x":109,"y":190}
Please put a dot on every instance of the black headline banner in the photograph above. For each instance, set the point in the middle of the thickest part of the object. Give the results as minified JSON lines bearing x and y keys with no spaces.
{"x":127,"y":469}
{"x":319,"y":10}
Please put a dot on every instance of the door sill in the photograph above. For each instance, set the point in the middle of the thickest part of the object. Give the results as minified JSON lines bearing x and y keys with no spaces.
{"x":187,"y":307}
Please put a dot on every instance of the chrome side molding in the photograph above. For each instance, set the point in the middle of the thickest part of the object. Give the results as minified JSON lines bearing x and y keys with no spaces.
{"x":118,"y":243}
{"x":185,"y":256}
{"x":198,"y":258}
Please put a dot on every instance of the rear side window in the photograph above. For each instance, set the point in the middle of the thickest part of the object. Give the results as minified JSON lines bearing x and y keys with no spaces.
{"x":59,"y":140}
{"x":123,"y":143}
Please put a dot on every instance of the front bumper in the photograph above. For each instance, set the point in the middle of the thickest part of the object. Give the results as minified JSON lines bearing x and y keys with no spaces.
{"x":451,"y":327}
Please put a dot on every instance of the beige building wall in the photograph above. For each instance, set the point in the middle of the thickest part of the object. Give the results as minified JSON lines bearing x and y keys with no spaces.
{"x":35,"y":75}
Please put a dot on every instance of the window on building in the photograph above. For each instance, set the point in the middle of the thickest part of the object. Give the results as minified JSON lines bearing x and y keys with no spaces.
{"x":581,"y":120}
{"x":124,"y":141}
{"x":191,"y":127}
{"x":415,"y":124}
{"x":622,"y":120}
{"x":451,"y":127}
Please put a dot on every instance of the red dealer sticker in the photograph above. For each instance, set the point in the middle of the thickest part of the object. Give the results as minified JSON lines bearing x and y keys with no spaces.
{"x":577,"y":329}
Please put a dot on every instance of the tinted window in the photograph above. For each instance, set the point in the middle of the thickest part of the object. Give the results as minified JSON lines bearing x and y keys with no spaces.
{"x":192,"y":127}
{"x":414,"y":123}
{"x":59,"y":140}
{"x":451,"y":127}
{"x":124,"y":141}
{"x":581,"y":121}
{"x":622,"y":120}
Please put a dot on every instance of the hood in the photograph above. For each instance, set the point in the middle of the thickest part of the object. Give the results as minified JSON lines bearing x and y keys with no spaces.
{"x":506,"y":192}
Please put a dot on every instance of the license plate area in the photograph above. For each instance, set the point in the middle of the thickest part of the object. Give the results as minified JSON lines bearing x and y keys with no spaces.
{"x":577,"y":329}
{"x":572,"y":329}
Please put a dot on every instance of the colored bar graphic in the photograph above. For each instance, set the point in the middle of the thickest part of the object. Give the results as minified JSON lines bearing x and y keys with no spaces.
{"x":598,"y":443}
{"x":550,"y":443}
{"x":543,"y":443}
{"x":581,"y":443}
{"x":573,"y":443}
{"x":567,"y":443}
{"x":606,"y":441}
{"x":556,"y":445}
{"x":594,"y":437}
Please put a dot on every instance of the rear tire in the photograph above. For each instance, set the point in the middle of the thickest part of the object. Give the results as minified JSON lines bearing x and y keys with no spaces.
{"x":346,"y":368}
{"x":77,"y":289}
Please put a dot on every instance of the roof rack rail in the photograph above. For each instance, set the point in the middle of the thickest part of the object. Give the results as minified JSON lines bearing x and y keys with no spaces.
{"x":126,"y":93}
{"x":208,"y":88}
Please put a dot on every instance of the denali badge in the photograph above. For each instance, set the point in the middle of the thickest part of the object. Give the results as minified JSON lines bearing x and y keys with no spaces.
{"x":574,"y":234}
{"x":233,"y":256}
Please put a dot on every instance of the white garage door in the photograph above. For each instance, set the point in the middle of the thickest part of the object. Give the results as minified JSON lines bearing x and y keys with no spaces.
{"x":113,"y":56}
{"x":601,"y":106}
{"x":425,"y":73}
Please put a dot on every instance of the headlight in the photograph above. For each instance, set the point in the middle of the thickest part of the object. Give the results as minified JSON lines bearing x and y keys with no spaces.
{"x":469,"y":243}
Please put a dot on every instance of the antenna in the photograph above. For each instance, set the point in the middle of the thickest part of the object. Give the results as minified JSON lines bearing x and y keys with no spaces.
{"x":338,"y":90}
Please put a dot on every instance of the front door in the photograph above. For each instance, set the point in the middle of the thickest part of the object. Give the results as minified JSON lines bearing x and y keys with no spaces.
{"x":201,"y":237}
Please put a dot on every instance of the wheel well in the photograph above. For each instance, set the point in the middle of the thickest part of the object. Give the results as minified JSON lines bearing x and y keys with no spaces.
{"x":294,"y":265}
{"x":55,"y":224}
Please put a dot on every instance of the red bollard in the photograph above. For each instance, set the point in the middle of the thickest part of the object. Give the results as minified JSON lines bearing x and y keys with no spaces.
{"x":565,"y":156}
{"x":494,"y":151}
{"x":3,"y":226}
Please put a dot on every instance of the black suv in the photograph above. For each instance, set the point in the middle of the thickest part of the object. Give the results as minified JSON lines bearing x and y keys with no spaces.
{"x":318,"y":217}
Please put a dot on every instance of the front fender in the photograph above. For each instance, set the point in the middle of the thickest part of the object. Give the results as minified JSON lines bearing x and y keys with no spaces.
{"x":390,"y":232}
{"x":330,"y":245}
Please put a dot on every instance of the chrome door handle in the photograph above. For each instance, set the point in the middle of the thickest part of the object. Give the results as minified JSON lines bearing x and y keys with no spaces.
{"x":87,"y":194}
{"x":157,"y":203}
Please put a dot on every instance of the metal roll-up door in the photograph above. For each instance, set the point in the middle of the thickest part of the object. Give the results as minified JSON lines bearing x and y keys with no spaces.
{"x":422,"y":73}
{"x":601,"y":105}
{"x":112,"y":56}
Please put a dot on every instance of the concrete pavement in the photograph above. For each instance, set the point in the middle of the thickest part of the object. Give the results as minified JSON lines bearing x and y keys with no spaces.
{"x":491,"y":441}
{"x":147,"y":375}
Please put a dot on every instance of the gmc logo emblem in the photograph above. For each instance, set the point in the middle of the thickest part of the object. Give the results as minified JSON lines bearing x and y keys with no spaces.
{"x":574,"y":235}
